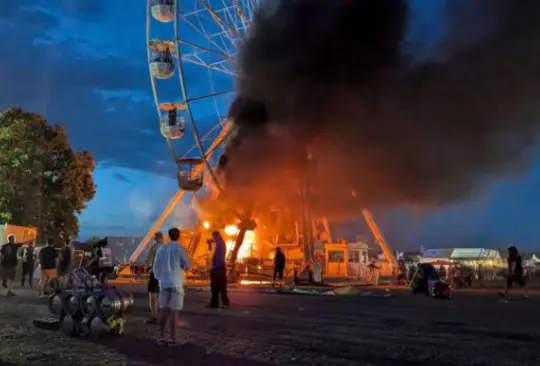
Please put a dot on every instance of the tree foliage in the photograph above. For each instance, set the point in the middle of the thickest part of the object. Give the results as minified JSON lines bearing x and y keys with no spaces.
{"x":43,"y":182}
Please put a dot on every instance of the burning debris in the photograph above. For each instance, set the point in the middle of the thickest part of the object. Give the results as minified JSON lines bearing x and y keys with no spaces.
{"x":327,"y":96}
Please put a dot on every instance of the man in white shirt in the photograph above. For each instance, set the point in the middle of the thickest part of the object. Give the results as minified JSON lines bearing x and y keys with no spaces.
{"x":169,"y":266}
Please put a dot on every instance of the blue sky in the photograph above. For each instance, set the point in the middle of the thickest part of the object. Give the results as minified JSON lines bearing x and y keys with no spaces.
{"x":83,"y":64}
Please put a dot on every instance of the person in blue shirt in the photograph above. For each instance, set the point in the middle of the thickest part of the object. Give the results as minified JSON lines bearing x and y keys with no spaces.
{"x":169,"y":265}
{"x":218,"y":273}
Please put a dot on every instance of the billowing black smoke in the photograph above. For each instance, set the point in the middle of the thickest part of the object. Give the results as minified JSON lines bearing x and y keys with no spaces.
{"x":328,"y":79}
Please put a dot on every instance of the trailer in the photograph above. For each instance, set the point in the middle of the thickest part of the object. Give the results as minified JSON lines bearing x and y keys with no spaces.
{"x":21,"y":234}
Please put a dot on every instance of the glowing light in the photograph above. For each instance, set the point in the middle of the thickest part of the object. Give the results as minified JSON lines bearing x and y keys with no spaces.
{"x":248,"y":247}
{"x":248,"y":282}
{"x":231,"y":230}
{"x":206,"y":225}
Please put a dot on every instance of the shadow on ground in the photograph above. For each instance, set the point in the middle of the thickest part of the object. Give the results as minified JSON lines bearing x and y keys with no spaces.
{"x":146,"y":350}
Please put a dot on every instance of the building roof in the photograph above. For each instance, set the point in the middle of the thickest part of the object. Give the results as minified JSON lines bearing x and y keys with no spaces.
{"x":475,"y":253}
{"x":437,"y":253}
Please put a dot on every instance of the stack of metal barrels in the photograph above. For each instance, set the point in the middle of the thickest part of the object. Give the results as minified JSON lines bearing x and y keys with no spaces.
{"x":90,"y":310}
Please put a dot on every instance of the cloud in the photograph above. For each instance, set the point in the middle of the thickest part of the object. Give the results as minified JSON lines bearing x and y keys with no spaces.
{"x":83,"y":67}
{"x":121,"y":177}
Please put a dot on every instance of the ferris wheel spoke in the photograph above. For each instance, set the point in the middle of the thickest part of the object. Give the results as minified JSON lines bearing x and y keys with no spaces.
{"x":233,"y":17}
{"x":225,"y":56}
{"x":251,"y":5}
{"x":213,"y":31}
{"x":210,"y":38}
{"x":218,"y":18}
{"x":208,"y":136}
{"x":220,"y":142}
{"x":217,"y":66}
{"x":245,"y":20}
{"x":196,"y":99}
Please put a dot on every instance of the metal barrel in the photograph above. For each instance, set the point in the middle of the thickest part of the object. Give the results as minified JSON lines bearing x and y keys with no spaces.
{"x":68,"y":325}
{"x":84,"y":329}
{"x":55,"y":304}
{"x":88,"y":303}
{"x":97,"y":326}
{"x":109,"y":303}
{"x":71,"y":301}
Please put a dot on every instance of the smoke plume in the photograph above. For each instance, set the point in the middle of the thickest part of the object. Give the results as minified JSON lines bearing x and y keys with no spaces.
{"x":327,"y":96}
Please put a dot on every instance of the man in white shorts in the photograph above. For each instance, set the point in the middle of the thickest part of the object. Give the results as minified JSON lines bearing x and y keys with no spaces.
{"x":169,"y":266}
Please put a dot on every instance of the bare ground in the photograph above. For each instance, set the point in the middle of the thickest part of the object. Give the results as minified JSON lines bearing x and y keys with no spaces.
{"x":470,"y":329}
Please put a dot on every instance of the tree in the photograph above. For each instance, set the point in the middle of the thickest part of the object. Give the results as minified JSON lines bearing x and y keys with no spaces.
{"x":43,"y":182}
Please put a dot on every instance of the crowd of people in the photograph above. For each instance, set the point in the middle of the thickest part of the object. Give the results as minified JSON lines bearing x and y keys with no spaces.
{"x":460,"y":276}
{"x":167,"y":264}
{"x":47,"y":263}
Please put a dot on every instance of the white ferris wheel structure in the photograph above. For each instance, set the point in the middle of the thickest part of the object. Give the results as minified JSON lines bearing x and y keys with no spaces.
{"x":192,"y":46}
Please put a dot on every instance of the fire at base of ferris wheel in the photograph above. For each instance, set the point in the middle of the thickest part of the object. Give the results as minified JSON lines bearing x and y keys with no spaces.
{"x":192,"y":46}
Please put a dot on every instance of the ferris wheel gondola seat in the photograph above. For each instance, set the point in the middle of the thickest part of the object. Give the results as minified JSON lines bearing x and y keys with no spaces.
{"x":189,"y":184}
{"x":163,"y":10}
{"x":173,"y":131}
{"x":190,"y":174}
{"x":162,"y":69}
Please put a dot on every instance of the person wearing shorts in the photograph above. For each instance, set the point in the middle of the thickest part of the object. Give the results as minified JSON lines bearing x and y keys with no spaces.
{"x":48,"y":259}
{"x":515,"y":273}
{"x":169,"y":266}
{"x":153,"y":283}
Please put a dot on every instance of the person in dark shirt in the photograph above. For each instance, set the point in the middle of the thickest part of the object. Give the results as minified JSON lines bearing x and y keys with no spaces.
{"x":279,"y":265}
{"x":218,"y":273}
{"x":27,"y":256}
{"x":515,"y":272}
{"x":8,"y":262}
{"x":153,"y":283}
{"x":64,"y":261}
{"x":97,"y":254}
{"x":48,"y":260}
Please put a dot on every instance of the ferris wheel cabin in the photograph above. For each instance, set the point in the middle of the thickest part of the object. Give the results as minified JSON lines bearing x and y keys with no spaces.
{"x":163,"y":10}
{"x":161,"y":59}
{"x":190,"y":174}
{"x":172,"y":124}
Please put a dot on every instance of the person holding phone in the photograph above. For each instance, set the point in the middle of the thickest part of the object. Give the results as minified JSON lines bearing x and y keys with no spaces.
{"x":218,"y":273}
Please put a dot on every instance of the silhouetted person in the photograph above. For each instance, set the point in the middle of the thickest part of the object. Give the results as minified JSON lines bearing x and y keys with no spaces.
{"x":94,"y":265}
{"x":27,"y":256}
{"x":8,"y":261}
{"x":153,"y":283}
{"x":48,"y":260}
{"x":64,"y":261}
{"x":218,"y":273}
{"x":515,"y":272}
{"x":279,"y":264}
{"x":172,"y":117}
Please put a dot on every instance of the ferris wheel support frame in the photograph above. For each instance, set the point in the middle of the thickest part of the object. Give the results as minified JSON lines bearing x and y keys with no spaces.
{"x":178,"y":196}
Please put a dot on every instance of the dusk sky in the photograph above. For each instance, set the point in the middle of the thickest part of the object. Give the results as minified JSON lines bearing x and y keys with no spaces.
{"x":82,"y":63}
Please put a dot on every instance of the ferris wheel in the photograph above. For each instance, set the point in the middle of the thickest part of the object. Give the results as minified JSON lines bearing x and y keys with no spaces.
{"x":192,"y":47}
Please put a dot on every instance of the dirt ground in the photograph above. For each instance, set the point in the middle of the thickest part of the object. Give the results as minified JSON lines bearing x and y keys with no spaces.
{"x":381,"y":328}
